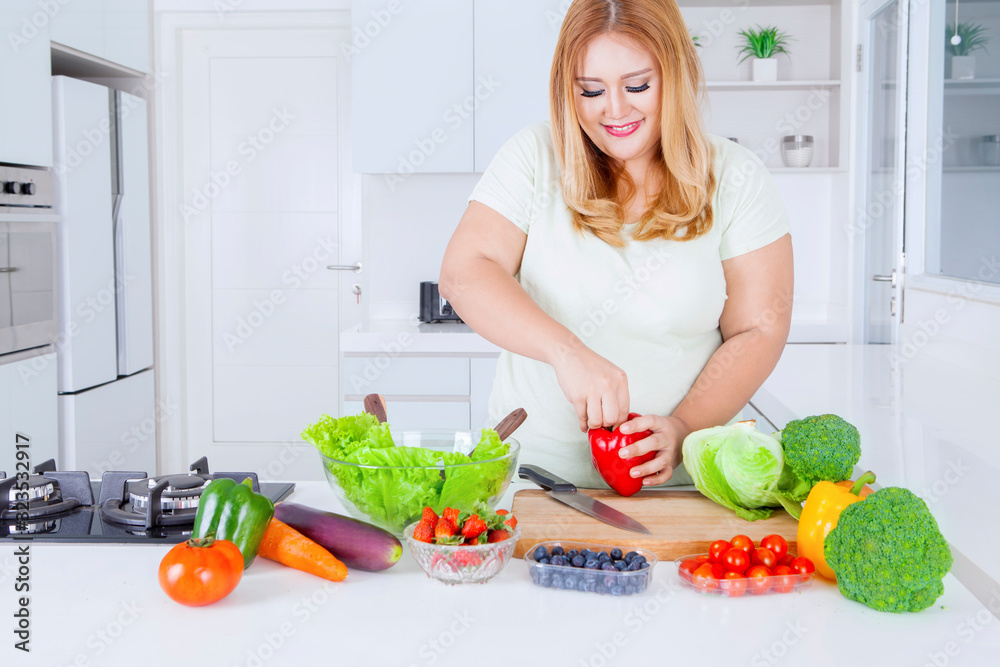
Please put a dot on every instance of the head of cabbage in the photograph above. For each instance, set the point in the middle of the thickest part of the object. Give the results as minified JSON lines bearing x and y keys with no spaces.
{"x":743,"y":469}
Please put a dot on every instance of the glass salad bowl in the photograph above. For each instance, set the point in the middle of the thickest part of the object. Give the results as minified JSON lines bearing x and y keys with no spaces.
{"x":462,"y":564}
{"x":393,"y":493}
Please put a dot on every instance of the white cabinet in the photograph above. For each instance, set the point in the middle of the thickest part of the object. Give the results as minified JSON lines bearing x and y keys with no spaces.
{"x":28,"y":406}
{"x":518,"y":77}
{"x":483,"y":370}
{"x":412,"y":86}
{"x":25,"y":66}
{"x":115,"y":30}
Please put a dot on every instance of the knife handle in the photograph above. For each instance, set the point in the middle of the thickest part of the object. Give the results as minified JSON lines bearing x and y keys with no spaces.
{"x":545,"y":479}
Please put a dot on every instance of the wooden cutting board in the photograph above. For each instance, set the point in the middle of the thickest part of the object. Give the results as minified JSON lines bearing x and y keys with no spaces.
{"x":681,"y":522}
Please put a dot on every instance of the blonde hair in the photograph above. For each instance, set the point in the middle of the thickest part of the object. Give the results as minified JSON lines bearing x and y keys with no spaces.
{"x":595,"y":187}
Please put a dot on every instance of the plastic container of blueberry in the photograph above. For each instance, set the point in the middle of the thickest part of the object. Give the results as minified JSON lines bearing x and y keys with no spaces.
{"x":591,"y":568}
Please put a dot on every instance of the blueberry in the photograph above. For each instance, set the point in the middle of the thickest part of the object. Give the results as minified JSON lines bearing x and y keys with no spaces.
{"x":587,"y":553}
{"x":558,"y":551}
{"x":630,"y":555}
{"x":578,"y":561}
{"x":569,"y":583}
{"x":604,"y":557}
{"x":544,"y":561}
{"x":640,"y":558}
{"x":630,"y":590}
{"x":617,"y":590}
{"x":592,"y":564}
{"x":539,"y":553}
{"x":573,"y":553}
{"x":616,"y":554}
{"x":558,"y":560}
{"x":633,"y":566}
{"x":620,"y":565}
{"x":556,"y":581}
{"x":608,"y":567}
{"x":643,"y":565}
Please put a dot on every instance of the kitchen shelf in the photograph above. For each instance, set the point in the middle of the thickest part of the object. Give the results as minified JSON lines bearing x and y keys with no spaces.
{"x":771,"y":85}
{"x":971,"y":169}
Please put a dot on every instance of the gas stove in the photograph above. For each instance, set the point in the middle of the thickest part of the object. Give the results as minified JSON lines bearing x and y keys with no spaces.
{"x":130,"y":506}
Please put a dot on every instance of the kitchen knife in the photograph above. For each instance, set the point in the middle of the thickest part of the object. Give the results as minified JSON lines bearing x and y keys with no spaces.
{"x":566,"y":493}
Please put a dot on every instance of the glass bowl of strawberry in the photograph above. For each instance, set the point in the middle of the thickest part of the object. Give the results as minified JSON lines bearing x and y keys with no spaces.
{"x":463,"y":547}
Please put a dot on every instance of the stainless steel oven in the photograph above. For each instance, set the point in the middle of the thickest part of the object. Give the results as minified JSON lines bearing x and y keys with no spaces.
{"x":27,"y":259}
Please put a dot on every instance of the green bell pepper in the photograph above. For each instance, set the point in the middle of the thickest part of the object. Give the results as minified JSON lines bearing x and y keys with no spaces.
{"x":233,"y":512}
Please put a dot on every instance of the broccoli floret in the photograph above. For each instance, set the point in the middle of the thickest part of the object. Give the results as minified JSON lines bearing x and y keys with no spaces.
{"x":821,"y":448}
{"x":888,"y":553}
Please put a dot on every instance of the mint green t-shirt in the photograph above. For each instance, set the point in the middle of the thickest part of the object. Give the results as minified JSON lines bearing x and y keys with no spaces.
{"x":652,"y":308}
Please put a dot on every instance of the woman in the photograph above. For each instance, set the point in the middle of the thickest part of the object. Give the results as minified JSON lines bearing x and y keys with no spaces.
{"x":623,"y":259}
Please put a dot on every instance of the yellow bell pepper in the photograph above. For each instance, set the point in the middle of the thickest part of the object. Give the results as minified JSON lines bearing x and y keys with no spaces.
{"x":823,"y":506}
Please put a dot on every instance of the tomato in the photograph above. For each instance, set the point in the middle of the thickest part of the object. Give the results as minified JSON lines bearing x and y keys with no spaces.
{"x":734,"y":584}
{"x":802,"y":565}
{"x":762,"y":556}
{"x":687,"y":568}
{"x":715,"y":552}
{"x":703,"y":558}
{"x":787,"y":560}
{"x":777,"y":545}
{"x":784,"y":579}
{"x":759,"y":579}
{"x":201,"y":571}
{"x":736,"y":560}
{"x":703,"y":578}
{"x":742,"y":542}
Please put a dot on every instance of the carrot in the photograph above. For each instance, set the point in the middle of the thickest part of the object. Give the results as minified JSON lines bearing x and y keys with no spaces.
{"x":284,"y":544}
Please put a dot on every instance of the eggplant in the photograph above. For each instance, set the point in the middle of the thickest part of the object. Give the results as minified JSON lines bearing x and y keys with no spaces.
{"x":357,"y":544}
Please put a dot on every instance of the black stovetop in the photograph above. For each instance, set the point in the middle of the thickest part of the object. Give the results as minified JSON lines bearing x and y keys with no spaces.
{"x":77,"y":509}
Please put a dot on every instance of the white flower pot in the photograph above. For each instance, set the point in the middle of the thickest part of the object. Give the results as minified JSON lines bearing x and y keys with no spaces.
{"x":765,"y":69}
{"x":963,"y":67}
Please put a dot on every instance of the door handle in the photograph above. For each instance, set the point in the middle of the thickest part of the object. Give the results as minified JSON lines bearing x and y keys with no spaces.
{"x":8,"y":269}
{"x":356,"y":267}
{"x":891,"y":278}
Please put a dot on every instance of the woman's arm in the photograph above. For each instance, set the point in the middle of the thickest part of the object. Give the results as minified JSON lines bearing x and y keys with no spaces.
{"x":477,"y":278}
{"x":754,"y":324}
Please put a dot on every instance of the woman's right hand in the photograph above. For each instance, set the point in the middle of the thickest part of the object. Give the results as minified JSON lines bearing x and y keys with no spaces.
{"x":596,"y":387}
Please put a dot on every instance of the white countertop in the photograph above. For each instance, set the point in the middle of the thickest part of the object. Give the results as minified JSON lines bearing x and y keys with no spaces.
{"x":409,"y":337}
{"x":101,"y":605}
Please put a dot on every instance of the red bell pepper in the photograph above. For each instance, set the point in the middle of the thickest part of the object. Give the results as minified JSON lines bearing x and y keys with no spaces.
{"x":616,"y":471}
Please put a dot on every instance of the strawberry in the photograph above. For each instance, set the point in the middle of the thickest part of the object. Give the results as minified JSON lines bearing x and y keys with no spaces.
{"x":466,"y":558}
{"x":497,"y":536}
{"x":472,"y":527}
{"x":443,"y":530}
{"x":424,"y":532}
{"x":451,"y":514}
{"x":502,"y":512}
{"x":429,"y":515}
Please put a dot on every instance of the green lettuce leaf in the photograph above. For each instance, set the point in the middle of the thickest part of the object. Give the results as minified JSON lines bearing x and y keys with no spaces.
{"x":337,"y":437}
{"x":740,"y":468}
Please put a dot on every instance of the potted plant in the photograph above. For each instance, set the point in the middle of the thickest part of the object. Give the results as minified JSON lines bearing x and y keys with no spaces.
{"x":763,"y":44}
{"x":962,"y":42}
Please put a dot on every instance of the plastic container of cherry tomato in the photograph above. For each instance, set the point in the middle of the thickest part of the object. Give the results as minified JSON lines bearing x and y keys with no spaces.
{"x":776,"y":584}
{"x":602,"y":582}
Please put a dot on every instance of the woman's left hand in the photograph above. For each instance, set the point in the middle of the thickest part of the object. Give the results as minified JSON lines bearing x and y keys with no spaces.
{"x":668,"y":435}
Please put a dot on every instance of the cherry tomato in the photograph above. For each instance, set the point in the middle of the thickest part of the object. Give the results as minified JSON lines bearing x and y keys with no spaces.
{"x":715,"y":552}
{"x":736,"y":560}
{"x":703,"y":578}
{"x":703,"y":558}
{"x":201,"y":571}
{"x":742,"y":542}
{"x":787,"y":560}
{"x":784,"y":579}
{"x":802,"y":565}
{"x":762,"y":556}
{"x":718,"y":571}
{"x":759,"y":579}
{"x":734,"y":584}
{"x":687,"y":568}
{"x":777,"y":545}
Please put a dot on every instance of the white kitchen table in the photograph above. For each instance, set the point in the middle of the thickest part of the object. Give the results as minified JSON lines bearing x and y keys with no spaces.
{"x":101,"y":605}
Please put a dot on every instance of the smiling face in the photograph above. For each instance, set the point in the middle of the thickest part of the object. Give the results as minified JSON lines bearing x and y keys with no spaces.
{"x":617,"y":98}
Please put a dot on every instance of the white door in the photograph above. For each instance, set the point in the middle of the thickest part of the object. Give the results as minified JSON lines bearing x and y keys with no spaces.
{"x":262,"y":146}
{"x":882,"y":149}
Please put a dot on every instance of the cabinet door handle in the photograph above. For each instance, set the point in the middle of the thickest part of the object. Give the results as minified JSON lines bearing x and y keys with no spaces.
{"x":8,"y":269}
{"x":356,"y":267}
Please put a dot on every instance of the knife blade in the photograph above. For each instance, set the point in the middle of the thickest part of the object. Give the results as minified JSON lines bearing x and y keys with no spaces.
{"x":567,"y":493}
